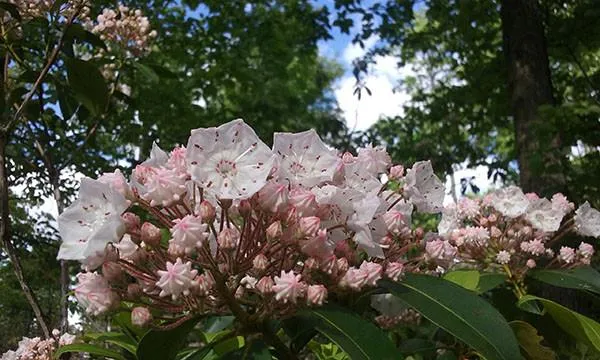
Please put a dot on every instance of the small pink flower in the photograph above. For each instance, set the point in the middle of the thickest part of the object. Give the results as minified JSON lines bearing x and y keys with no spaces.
{"x":207,"y":212}
{"x":189,"y":233}
{"x":396,"y":172}
{"x":205,"y":283}
{"x":318,"y":246}
{"x":265,"y":285}
{"x":503,"y":257}
{"x":309,"y":225}
{"x":373,"y":271}
{"x":354,"y":278}
{"x":394,"y":270}
{"x":273,"y":196}
{"x":288,"y":287}
{"x":177,"y":279}
{"x":394,"y":221}
{"x":94,"y":293}
{"x":164,"y":186}
{"x":531,"y":263}
{"x":586,"y":250}
{"x":304,"y":201}
{"x":228,"y":238}
{"x":316,"y":295}
{"x":132,"y":222}
{"x":342,"y":265}
{"x":274,"y":231}
{"x":567,"y":254}
{"x":141,"y":316}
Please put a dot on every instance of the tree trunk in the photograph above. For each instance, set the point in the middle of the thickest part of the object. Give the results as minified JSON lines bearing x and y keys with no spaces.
{"x":530,"y":86}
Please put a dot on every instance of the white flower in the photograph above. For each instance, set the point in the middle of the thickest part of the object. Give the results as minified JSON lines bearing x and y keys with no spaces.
{"x":92,"y":221}
{"x":177,"y":279}
{"x":587,"y":221}
{"x":304,"y":159}
{"x":117,"y":182}
{"x":357,"y":177}
{"x":449,"y":220}
{"x":230,"y":161}
{"x":163,"y":186}
{"x":543,"y":216}
{"x":503,"y":257}
{"x":375,"y":160}
{"x":158,"y":157}
{"x":423,"y":188}
{"x":510,"y":201}
{"x":127,"y":248}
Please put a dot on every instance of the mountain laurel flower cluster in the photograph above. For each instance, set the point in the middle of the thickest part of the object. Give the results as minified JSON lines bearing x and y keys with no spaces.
{"x":513,"y":232}
{"x":235,"y":227}
{"x":31,"y":9}
{"x":38,"y":348}
{"x":125,"y":29}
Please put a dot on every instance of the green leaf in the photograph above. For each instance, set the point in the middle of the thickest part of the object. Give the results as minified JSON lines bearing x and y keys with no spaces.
{"x":257,"y":350}
{"x":358,"y":338}
{"x":146,"y":72}
{"x":580,"y":327}
{"x":89,"y":349}
{"x":116,"y":338}
{"x":88,"y":84}
{"x":530,"y":341}
{"x":460,"y":312}
{"x":164,"y":345}
{"x":417,"y":346}
{"x":490,"y":281}
{"x":469,"y":279}
{"x":76,"y":32}
{"x":582,"y":278}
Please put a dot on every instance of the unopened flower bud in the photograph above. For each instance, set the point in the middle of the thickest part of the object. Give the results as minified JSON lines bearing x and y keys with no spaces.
{"x":150,"y":234}
{"x":495,"y":232}
{"x":492,"y":218}
{"x":265,"y":285}
{"x":260,"y":262}
{"x":316,"y":295}
{"x":228,"y":238}
{"x":207,"y":212}
{"x":342,"y":265}
{"x":347,"y":158}
{"x":396,"y":172}
{"x":205,"y":283}
{"x":134,"y":291}
{"x":132,"y":222}
{"x":419,"y":232}
{"x":111,"y":271}
{"x":274,"y":231}
{"x":273,"y":196}
{"x":245,"y":207}
{"x":141,"y":316}
{"x":531,"y":263}
{"x":309,"y":225}
{"x":291,"y":215}
{"x":483,"y":221}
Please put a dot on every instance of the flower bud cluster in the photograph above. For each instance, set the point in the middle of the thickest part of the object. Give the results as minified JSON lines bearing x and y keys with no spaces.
{"x":30,"y":9}
{"x":38,"y":348}
{"x":125,"y":29}
{"x":508,"y":228}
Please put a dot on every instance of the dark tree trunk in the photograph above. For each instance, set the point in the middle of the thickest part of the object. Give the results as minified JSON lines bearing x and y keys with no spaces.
{"x":530,"y":86}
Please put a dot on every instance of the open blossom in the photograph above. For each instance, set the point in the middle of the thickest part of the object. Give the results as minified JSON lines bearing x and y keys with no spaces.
{"x":423,"y":188}
{"x":164,"y":186}
{"x":229,"y":161}
{"x":94,"y":293}
{"x":288,"y":287}
{"x":303,"y":158}
{"x":533,"y":247}
{"x":544,"y":216}
{"x":374,"y":159}
{"x":177,"y":279}
{"x":587,"y":220}
{"x":116,"y":180}
{"x":188,"y":234}
{"x":511,"y":201}
{"x":273,"y":196}
{"x":92,"y":221}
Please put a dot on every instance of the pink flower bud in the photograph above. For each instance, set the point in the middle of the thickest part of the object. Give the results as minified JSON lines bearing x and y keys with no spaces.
{"x":111,"y":271}
{"x":273,"y":196}
{"x":245,"y":207}
{"x":260,"y":262}
{"x":134,"y":291}
{"x":318,"y":246}
{"x":150,"y":234}
{"x":396,"y":172}
{"x":309,"y":225}
{"x":265,"y":285}
{"x":316,"y":295}
{"x":205,"y":283}
{"x":304,"y":201}
{"x":274,"y":231}
{"x":207,"y":212}
{"x":394,"y":270}
{"x":132,"y":222}
{"x":291,"y":215}
{"x":141,"y":316}
{"x":492,"y":218}
{"x":228,"y":238}
{"x":348,"y":158}
{"x":394,"y":221}
{"x":373,"y":271}
{"x":495,"y":232}
{"x":342,"y":265}
{"x":531,"y":263}
{"x":419,"y":232}
{"x":311,"y":263}
{"x":354,"y":279}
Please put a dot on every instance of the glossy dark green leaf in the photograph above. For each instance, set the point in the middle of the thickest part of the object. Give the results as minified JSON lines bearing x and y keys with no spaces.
{"x":490,"y":281}
{"x":418,"y":346}
{"x":359,"y":338}
{"x":530,"y":341}
{"x":580,"y":327}
{"x":460,"y":312}
{"x":89,"y":349}
{"x":157,"y":344}
{"x":88,"y":84}
{"x":582,"y":278}
{"x":146,"y":72}
{"x":469,"y":279}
